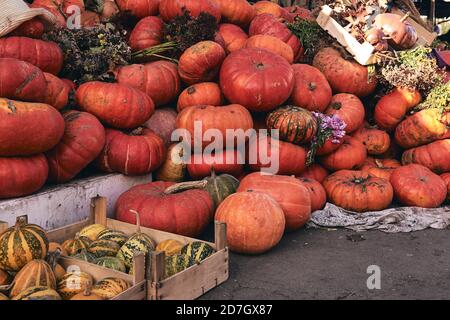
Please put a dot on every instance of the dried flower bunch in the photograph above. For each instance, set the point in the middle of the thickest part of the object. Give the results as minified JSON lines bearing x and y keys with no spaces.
{"x":313,"y":37}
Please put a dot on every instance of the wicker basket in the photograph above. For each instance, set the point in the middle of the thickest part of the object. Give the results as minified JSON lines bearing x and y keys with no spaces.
{"x":15,"y":12}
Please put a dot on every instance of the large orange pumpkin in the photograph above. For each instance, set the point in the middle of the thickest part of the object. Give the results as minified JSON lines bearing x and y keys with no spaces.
{"x":227,"y":161}
{"x":169,"y":9}
{"x":28,"y":128}
{"x":269,"y":7}
{"x":312,"y":90}
{"x":391,"y":108}
{"x":234,"y":37}
{"x":446,"y":178}
{"x":83,"y":140}
{"x":159,"y":80}
{"x":163,"y":123}
{"x":57,"y":93}
{"x":137,"y":153}
{"x":435,"y":156}
{"x":316,"y":192}
{"x":257,"y":79}
{"x":344,"y":76}
{"x":272,"y":44}
{"x":255,"y":222}
{"x":238,"y":12}
{"x":45,"y":55}
{"x":376,"y":141}
{"x":22,"y":81}
{"x":289,"y":192}
{"x":147,"y":33}
{"x":277,"y":157}
{"x":205,"y":93}
{"x":349,"y":109}
{"x":231,"y":117}
{"x":423,"y":127}
{"x":358,"y":191}
{"x":381,"y":168}
{"x":185,"y":212}
{"x":416,"y":185}
{"x":117,"y":105}
{"x":315,"y":172}
{"x":201,"y":62}
{"x":351,"y":155}
{"x":139,"y":8}
{"x":22,"y":176}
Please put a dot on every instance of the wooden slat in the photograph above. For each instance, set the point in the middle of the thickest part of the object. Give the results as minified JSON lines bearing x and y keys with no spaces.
{"x":195,"y":281}
{"x":137,"y":292}
{"x":138,"y":267}
{"x":158,"y":266}
{"x":3,"y":226}
{"x":98,"y":209}
{"x":220,"y":235}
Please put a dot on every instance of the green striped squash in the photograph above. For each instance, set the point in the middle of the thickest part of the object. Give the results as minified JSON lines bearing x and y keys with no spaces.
{"x":85,"y":256}
{"x":220,"y":187}
{"x":177,"y":263}
{"x":104,"y":248}
{"x":91,"y":232}
{"x":74,"y":246}
{"x":112,"y":263}
{"x":36,"y":273}
{"x":73,"y":283}
{"x":21,"y":244}
{"x":198,"y":250}
{"x":169,"y":247}
{"x":38,"y":293}
{"x":108,"y":288}
{"x":117,"y":236}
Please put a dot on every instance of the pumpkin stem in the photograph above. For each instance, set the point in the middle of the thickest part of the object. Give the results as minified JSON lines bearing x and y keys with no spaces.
{"x":312,"y":86}
{"x":404,"y":17}
{"x":137,"y":131}
{"x":183,"y":186}
{"x":52,"y":258}
{"x":138,"y":221}
{"x":336,"y":105}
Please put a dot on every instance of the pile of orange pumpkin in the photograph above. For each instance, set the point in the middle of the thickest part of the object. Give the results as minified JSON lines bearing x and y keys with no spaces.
{"x":251,"y":73}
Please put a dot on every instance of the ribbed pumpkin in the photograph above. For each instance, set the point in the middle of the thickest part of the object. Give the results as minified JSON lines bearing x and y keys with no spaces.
{"x":45,"y":55}
{"x":169,"y":247}
{"x":422,"y":128}
{"x":272,"y":44}
{"x":159,"y":80}
{"x":316,"y":192}
{"x":329,"y":146}
{"x":5,"y":278}
{"x":28,"y":128}
{"x":137,"y":153}
{"x":233,"y":36}
{"x":392,"y":108}
{"x":295,"y":124}
{"x":147,"y":33}
{"x":376,"y":141}
{"x":381,"y":168}
{"x":201,"y":62}
{"x":435,"y":156}
{"x":446,"y":178}
{"x":28,"y":83}
{"x":36,"y":273}
{"x":349,"y":109}
{"x":137,"y":242}
{"x":269,"y":7}
{"x":67,"y":288}
{"x":139,"y":8}
{"x":75,"y":245}
{"x":221,"y":186}
{"x":108,"y":288}
{"x":316,"y":172}
{"x":118,"y":237}
{"x":21,"y":244}
{"x":276,"y":157}
{"x":57,"y":93}
{"x":113,"y":263}
{"x":83,"y":140}
{"x":255,"y":221}
{"x":103,"y":248}
{"x":311,"y":90}
{"x":289,"y":192}
{"x":198,"y":251}
{"x":85,"y":256}
{"x":114,"y":104}
{"x":358,"y":191}
{"x":21,"y":176}
{"x":416,"y":185}
{"x":228,"y":161}
{"x":238,"y":12}
{"x":177,"y":263}
{"x":92,"y":231}
{"x":257,"y":79}
{"x":231,"y":117}
{"x":38,"y":293}
{"x":344,"y":76}
{"x":351,"y":155}
{"x":169,"y":9}
{"x":205,"y":93}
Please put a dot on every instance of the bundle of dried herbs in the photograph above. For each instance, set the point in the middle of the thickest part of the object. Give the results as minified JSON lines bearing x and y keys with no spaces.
{"x":415,"y":69}
{"x":91,"y":54}
{"x":312,"y":36}
{"x":181,"y":33}
{"x":438,"y":98}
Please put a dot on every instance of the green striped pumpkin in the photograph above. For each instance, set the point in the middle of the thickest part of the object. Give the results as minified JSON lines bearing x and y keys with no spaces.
{"x":112,"y":263}
{"x":220,"y":187}
{"x":85,"y":256}
{"x":21,"y":244}
{"x":108,"y":288}
{"x":36,"y":273}
{"x":177,"y":263}
{"x":74,"y":246}
{"x":117,"y":236}
{"x":38,"y":293}
{"x":104,"y":248}
{"x":198,"y":250}
{"x":92,"y":232}
{"x":73,"y":283}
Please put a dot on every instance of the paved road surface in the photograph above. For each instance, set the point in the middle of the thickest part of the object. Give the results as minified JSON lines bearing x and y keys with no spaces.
{"x":321,"y":264}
